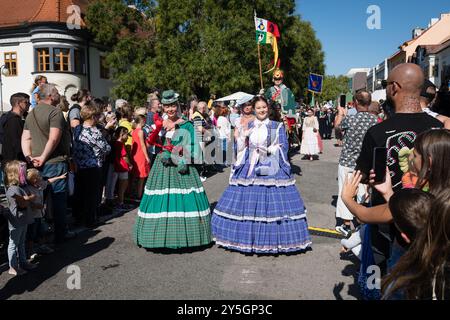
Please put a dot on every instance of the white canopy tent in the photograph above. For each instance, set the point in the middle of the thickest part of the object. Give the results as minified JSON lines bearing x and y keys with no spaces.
{"x":240,"y":98}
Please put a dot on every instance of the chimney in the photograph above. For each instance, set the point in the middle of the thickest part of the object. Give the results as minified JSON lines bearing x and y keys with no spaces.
{"x":417,"y":32}
{"x":433,"y":22}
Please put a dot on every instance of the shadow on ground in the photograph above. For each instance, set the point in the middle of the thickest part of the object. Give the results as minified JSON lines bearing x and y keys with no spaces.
{"x":49,"y":266}
{"x":351,"y":270}
{"x":296,"y":170}
{"x":166,"y":251}
{"x":275,"y":255}
{"x":334,"y":201}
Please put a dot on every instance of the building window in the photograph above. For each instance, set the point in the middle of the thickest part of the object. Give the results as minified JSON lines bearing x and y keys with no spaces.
{"x":104,"y":69}
{"x":11,"y":63}
{"x":61,"y":59}
{"x":426,"y":71}
{"x":436,"y":71}
{"x":43,"y":55}
{"x":54,"y":59}
{"x":78,"y":60}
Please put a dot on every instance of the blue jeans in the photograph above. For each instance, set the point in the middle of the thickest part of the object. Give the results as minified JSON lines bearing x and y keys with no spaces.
{"x":58,"y":193}
{"x":17,"y":255}
{"x":224,"y":147}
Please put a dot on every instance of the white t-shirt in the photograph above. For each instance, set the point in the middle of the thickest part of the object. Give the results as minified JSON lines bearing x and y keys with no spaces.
{"x":223,"y":128}
{"x":431,"y":113}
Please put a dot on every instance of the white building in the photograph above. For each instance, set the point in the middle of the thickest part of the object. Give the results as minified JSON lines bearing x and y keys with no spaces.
{"x":435,"y":62}
{"x":352,"y":72}
{"x":376,"y":75}
{"x":358,"y":78}
{"x":48,"y":37}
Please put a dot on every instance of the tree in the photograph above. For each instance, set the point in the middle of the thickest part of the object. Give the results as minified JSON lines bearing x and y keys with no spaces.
{"x":305,"y":55}
{"x":129,"y":33}
{"x":201,"y":46}
{"x":333,"y":87}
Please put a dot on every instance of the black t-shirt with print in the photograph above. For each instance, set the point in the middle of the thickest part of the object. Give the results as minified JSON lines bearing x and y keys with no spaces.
{"x":395,"y":133}
{"x":399,"y":131}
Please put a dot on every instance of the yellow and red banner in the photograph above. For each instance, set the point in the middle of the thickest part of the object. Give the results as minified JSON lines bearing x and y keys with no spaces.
{"x":268,"y":33}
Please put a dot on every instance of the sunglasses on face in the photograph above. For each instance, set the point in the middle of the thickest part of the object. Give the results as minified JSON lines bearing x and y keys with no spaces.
{"x":385,"y":83}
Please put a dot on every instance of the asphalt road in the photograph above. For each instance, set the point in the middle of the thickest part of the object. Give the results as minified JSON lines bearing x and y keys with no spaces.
{"x":112,"y":267}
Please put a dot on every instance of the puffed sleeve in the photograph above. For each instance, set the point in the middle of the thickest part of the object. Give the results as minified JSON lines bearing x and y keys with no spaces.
{"x":283,"y":141}
{"x":154,"y":135}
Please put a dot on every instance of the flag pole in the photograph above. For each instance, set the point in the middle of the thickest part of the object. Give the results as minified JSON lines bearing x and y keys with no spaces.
{"x":312,"y":103}
{"x":260,"y":66}
{"x":259,"y":60}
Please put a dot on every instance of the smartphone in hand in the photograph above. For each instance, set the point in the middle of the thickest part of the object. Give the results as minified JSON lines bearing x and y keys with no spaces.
{"x":379,"y":164}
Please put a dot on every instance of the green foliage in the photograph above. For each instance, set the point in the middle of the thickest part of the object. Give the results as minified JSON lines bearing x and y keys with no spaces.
{"x":304,"y":53}
{"x":200,"y":46}
{"x":129,"y":34}
{"x":333,"y":87}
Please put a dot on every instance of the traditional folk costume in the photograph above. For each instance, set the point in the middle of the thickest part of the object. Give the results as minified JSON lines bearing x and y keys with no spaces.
{"x":310,"y":142}
{"x":282,"y":95}
{"x":174,"y":212}
{"x":261,"y":211}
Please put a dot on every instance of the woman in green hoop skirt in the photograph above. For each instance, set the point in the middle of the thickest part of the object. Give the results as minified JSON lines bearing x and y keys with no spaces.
{"x":174,"y":212}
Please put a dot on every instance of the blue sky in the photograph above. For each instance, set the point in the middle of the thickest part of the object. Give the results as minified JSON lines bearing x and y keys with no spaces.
{"x":341,"y":26}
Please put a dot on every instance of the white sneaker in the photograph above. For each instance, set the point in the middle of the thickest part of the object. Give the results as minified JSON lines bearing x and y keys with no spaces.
{"x":344,"y":229}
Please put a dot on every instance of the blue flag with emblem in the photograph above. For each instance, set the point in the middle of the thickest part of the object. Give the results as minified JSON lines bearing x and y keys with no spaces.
{"x":315,"y":83}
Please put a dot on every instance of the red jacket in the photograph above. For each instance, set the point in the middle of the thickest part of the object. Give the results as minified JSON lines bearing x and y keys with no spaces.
{"x":120,"y":165}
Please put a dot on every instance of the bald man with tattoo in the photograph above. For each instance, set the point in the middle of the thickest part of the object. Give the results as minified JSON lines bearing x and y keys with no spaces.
{"x":403,"y":89}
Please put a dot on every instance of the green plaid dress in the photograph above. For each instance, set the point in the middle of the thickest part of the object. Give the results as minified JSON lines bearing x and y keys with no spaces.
{"x":174,"y":212}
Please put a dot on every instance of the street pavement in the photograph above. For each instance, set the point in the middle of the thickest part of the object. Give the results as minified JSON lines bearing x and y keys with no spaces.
{"x":112,"y":267}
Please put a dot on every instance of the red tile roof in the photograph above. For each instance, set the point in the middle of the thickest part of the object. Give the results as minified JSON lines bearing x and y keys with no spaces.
{"x":17,"y":12}
{"x":444,"y":45}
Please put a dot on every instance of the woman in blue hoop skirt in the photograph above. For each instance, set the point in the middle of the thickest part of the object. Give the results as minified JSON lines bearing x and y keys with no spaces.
{"x":261,"y":211}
